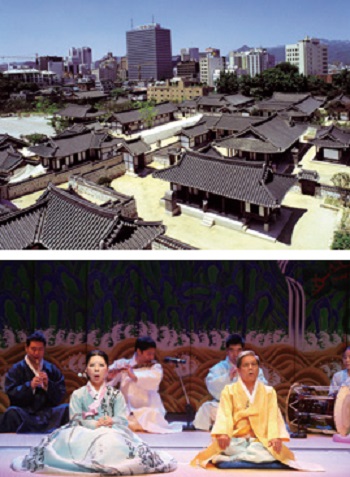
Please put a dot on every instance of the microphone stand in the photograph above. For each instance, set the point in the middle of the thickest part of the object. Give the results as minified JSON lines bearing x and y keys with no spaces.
{"x":189,"y":408}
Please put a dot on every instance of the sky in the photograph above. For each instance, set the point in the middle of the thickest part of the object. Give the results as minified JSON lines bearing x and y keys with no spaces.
{"x":51,"y":27}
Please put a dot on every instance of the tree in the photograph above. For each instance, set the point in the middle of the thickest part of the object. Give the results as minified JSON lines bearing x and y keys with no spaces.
{"x":227,"y":83}
{"x":341,"y":179}
{"x":148,"y":113}
{"x":341,"y":240}
{"x":35,"y":138}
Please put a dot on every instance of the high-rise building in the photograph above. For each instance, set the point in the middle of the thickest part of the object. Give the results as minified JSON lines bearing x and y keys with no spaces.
{"x":253,"y":61}
{"x":79,"y":59}
{"x":309,"y":55}
{"x":207,"y":67}
{"x":149,"y":53}
{"x":189,"y":54}
{"x":51,"y":63}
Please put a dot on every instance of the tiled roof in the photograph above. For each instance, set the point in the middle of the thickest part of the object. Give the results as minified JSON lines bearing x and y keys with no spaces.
{"x":236,"y":122}
{"x":7,"y":140}
{"x":206,"y":123}
{"x":310,"y":105}
{"x":133,"y":235}
{"x":213,"y":100}
{"x":80,"y":111}
{"x":240,"y":180}
{"x":9,"y":159}
{"x":134,"y":114}
{"x":273,"y":135}
{"x":71,"y":144}
{"x":332,"y":137}
{"x":300,"y":104}
{"x":61,"y":220}
{"x":17,"y":229}
{"x":135,"y":146}
{"x":280,"y":132}
{"x":173,"y":244}
{"x":238,"y":99}
{"x":306,"y":174}
{"x":290,"y":97}
{"x":342,"y":98}
{"x":248,"y":144}
{"x":209,"y":150}
{"x":72,"y":131}
{"x":196,"y":130}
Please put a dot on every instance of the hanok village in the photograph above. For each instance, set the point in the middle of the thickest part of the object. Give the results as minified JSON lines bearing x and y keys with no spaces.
{"x":225,"y":159}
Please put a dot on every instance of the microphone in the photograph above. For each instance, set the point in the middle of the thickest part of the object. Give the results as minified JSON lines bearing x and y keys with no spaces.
{"x":169,"y":359}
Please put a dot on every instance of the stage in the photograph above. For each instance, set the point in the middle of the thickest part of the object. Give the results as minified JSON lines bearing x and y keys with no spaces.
{"x":316,"y":448}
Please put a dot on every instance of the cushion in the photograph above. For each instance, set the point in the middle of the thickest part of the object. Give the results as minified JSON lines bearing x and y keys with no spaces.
{"x":241,"y":464}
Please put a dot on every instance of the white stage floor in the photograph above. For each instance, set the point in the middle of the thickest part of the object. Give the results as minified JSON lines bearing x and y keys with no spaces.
{"x":320,"y":449}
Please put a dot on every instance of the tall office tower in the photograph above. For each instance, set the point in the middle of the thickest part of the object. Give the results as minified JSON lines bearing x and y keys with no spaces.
{"x":79,"y":58}
{"x":309,"y":55}
{"x":149,"y":53}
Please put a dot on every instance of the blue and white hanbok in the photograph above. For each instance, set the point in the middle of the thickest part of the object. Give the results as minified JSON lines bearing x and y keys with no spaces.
{"x":81,"y":446}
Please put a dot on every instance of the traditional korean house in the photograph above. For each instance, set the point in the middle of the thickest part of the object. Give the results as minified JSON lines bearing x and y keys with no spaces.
{"x":7,"y":140}
{"x":229,"y":124}
{"x":134,"y":154}
{"x":271,"y":141}
{"x":76,"y":113}
{"x":213,"y":103}
{"x":188,"y":107}
{"x":200,"y":133}
{"x":238,"y":103}
{"x":332,"y":144}
{"x":10,"y":161}
{"x":299,"y":107}
{"x":339,"y":108}
{"x":63,"y":220}
{"x":235,"y":189}
{"x":131,"y":122}
{"x":74,"y":146}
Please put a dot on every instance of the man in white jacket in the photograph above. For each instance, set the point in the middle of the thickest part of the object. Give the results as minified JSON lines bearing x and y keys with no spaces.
{"x":139,"y":379}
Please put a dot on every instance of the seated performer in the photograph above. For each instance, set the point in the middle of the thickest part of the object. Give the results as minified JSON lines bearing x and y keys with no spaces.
{"x":247,"y":426}
{"x":342,"y":377}
{"x":139,"y":379}
{"x":221,"y":374}
{"x":97,"y":439}
{"x":35,"y":388}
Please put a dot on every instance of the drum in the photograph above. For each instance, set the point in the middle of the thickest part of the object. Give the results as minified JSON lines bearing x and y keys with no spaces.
{"x":342,"y":411}
{"x":310,"y":409}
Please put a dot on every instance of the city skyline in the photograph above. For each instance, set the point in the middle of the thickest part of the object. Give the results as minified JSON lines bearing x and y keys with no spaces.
{"x":45,"y":28}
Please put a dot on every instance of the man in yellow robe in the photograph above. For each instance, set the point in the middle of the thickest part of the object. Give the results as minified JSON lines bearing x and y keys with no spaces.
{"x":249,"y":426}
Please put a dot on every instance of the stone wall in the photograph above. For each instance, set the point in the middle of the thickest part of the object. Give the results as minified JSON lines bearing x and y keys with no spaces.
{"x":95,"y":192}
{"x":112,"y":168}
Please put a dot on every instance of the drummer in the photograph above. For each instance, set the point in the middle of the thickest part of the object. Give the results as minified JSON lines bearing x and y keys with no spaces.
{"x":342,"y":378}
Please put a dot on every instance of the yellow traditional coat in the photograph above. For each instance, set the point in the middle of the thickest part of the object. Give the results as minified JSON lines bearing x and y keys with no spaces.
{"x":237,"y":417}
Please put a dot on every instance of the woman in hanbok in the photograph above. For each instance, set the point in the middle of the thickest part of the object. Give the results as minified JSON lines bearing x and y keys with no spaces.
{"x":97,"y":438}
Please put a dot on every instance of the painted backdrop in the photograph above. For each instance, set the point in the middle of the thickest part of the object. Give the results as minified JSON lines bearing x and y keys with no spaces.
{"x":294,"y":314}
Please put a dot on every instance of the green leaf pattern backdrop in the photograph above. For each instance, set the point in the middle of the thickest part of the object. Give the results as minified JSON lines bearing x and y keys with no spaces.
{"x":294,"y":314}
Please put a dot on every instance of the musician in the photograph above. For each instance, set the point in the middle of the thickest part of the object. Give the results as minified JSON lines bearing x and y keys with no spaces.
{"x":139,"y":379}
{"x":223,"y":373}
{"x":35,"y":388}
{"x":342,"y":377}
{"x":247,"y":426}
